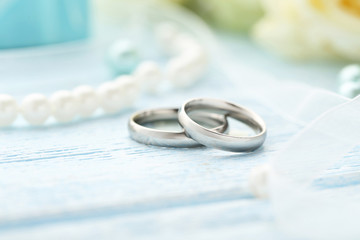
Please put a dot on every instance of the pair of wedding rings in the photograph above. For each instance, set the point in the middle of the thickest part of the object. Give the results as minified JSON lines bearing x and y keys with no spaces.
{"x":203,"y":121}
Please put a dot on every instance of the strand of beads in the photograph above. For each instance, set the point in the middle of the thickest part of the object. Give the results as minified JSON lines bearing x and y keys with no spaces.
{"x":186,"y":65}
{"x":349,"y":81}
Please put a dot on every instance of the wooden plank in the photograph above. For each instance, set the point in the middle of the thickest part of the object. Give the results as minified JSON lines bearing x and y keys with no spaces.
{"x":82,"y":168}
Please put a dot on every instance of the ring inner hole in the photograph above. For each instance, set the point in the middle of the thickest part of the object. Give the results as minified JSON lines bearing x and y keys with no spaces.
{"x":169,"y":121}
{"x":240,"y":129}
{"x":239,"y":124}
{"x":164,"y":124}
{"x":166,"y":121}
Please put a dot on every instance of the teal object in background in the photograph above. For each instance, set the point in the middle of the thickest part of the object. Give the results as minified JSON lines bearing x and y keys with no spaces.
{"x":123,"y":57}
{"x":39,"y":22}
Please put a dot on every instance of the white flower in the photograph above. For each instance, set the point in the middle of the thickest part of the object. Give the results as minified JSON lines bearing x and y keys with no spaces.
{"x":235,"y":15}
{"x":311,"y":28}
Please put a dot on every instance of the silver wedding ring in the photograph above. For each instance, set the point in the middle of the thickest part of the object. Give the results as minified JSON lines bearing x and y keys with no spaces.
{"x":222,"y":141}
{"x":203,"y":121}
{"x":151,"y":136}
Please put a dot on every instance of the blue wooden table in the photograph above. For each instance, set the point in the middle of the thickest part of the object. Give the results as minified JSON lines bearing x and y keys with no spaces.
{"x":89,"y":180}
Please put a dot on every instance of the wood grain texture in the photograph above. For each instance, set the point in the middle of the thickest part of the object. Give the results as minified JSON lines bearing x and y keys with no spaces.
{"x":90,"y":173}
{"x":89,"y":180}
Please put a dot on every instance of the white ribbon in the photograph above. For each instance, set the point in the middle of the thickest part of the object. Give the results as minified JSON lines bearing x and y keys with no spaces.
{"x":303,"y":209}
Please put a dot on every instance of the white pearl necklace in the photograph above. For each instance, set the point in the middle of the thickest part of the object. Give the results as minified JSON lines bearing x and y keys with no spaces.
{"x":186,"y":65}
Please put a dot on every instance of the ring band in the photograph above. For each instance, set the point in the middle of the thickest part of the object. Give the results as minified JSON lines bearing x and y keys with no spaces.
{"x":210,"y":138}
{"x":151,"y":136}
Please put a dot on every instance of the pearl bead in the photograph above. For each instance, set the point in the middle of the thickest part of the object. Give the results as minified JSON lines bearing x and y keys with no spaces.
{"x":185,"y":42}
{"x":117,"y":94}
{"x":110,"y":98}
{"x":149,"y":75}
{"x":130,"y":89}
{"x":8,"y":110}
{"x":64,"y":105}
{"x":123,"y":57}
{"x":259,"y":180}
{"x":184,"y":70}
{"x":87,"y":100}
{"x":349,"y":89}
{"x":166,"y":34}
{"x":35,"y":108}
{"x":126,"y":79}
{"x":350,"y":73}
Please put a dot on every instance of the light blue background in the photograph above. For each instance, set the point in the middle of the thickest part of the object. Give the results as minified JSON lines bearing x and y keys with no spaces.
{"x":38,"y":22}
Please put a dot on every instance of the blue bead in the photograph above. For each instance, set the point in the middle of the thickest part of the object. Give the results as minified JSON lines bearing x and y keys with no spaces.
{"x":123,"y":57}
{"x":349,"y":89}
{"x":349,"y":81}
{"x":350,"y":73}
